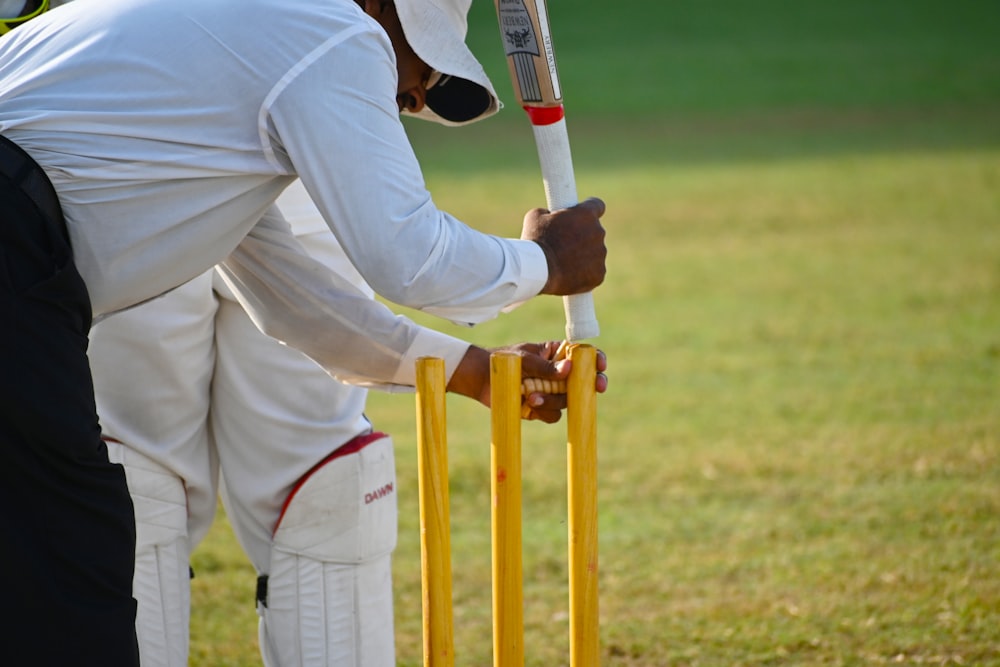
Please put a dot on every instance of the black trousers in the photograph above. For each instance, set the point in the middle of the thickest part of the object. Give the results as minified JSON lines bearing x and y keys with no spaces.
{"x":67,"y":544}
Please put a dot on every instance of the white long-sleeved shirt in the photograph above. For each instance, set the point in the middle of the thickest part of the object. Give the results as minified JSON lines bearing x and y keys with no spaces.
{"x":168,"y":127}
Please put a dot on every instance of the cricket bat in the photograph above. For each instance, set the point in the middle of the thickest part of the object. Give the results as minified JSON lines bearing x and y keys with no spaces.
{"x":524,"y":27}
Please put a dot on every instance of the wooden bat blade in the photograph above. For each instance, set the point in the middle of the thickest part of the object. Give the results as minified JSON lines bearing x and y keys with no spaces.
{"x":524,"y":27}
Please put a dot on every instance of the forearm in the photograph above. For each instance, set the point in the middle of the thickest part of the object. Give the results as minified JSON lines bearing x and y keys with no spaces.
{"x":358,"y":340}
{"x":471,"y":376}
{"x":368,"y":186}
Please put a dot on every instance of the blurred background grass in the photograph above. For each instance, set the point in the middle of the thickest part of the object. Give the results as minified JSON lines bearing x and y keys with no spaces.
{"x":800,"y":448}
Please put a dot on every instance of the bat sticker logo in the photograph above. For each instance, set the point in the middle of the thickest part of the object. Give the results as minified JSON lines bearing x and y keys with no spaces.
{"x":521,"y":46}
{"x":517,"y":27}
{"x":520,"y":40}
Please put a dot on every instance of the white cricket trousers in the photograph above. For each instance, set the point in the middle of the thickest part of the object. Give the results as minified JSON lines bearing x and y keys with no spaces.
{"x":189,"y":385}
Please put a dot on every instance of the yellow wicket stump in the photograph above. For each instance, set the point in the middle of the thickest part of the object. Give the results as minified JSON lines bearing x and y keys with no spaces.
{"x":581,"y":475}
{"x":505,"y":514}
{"x":506,"y":518}
{"x":435,"y":519}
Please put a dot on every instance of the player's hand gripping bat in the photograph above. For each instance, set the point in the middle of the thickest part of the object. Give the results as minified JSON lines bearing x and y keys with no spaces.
{"x":524,"y":26}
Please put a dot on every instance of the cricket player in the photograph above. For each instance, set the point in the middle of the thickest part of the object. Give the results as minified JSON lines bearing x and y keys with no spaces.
{"x":219,"y":397}
{"x":168,"y":132}
{"x":217,"y":393}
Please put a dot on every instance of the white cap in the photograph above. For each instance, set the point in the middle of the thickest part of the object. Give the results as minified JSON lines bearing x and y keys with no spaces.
{"x":435,"y":30}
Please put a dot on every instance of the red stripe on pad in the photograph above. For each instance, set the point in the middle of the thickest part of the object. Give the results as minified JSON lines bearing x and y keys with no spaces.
{"x":545,"y":115}
{"x":352,"y":446}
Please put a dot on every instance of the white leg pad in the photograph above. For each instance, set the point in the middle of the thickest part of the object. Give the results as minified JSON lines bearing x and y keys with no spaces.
{"x":161,"y":585}
{"x":329,"y":592}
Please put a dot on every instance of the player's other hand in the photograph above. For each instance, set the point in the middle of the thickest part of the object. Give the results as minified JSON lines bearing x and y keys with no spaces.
{"x":542,"y":362}
{"x":573,"y":242}
{"x":472,"y":377}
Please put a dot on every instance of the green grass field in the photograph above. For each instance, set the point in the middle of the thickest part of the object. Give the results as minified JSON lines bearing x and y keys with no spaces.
{"x":800,"y":447}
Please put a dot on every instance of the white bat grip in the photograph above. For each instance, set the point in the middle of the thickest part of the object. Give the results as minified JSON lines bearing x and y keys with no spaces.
{"x":560,"y":192}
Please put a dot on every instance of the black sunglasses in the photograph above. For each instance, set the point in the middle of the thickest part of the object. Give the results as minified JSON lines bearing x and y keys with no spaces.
{"x":31,"y":9}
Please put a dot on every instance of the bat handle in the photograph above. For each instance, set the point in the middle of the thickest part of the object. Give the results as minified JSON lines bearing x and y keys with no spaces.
{"x":581,"y":318}
{"x":556,"y":161}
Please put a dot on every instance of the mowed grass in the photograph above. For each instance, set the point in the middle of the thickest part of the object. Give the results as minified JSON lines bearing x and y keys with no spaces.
{"x":800,"y":447}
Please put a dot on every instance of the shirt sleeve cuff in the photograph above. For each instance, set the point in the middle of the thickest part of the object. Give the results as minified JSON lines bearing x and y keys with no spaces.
{"x":430,"y":343}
